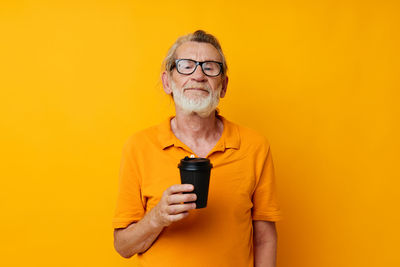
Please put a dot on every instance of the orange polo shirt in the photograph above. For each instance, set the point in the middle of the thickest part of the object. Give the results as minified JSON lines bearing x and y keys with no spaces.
{"x":242,"y":189}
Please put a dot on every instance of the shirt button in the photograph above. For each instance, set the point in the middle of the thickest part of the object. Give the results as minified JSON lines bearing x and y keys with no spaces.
{"x":192,"y":156}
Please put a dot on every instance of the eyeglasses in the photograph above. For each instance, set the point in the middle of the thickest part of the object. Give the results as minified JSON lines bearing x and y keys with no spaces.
{"x":188,"y":66}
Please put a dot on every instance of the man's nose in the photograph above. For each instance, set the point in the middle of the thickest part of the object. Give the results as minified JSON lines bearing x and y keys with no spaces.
{"x":198,"y":74}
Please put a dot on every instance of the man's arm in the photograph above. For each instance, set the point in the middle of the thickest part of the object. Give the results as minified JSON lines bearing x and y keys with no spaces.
{"x":264,"y":243}
{"x":138,"y":237}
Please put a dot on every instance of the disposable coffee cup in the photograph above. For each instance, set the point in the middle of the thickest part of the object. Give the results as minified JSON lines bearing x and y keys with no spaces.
{"x":196,"y":171}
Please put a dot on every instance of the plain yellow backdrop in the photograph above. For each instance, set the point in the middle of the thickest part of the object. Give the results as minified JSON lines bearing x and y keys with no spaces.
{"x":320,"y":79}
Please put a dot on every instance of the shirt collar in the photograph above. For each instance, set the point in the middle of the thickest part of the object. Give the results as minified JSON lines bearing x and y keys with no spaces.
{"x":230,"y":137}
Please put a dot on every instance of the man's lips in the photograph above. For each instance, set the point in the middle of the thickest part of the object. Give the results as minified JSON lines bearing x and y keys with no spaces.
{"x":197,"y":89}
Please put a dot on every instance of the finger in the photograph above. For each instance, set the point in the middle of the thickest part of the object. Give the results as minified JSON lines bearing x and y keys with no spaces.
{"x":179,"y":198}
{"x":180,"y":208}
{"x":178,"y":188}
{"x":178,"y":217}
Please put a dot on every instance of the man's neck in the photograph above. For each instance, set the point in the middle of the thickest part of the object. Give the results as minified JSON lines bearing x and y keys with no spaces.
{"x":196,"y":129}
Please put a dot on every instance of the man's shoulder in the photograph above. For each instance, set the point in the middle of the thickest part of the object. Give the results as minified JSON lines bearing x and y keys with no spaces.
{"x":145,"y":136}
{"x":250,"y":136}
{"x":249,"y":133}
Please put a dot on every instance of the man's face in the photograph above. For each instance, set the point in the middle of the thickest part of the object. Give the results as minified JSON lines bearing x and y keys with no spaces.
{"x":196,"y":92}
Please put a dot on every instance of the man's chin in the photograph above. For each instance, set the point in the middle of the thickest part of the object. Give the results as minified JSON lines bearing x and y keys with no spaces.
{"x":195,"y":104}
{"x":197,"y":96}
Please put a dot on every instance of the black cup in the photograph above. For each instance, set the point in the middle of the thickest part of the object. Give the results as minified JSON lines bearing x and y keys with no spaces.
{"x":196,"y":171}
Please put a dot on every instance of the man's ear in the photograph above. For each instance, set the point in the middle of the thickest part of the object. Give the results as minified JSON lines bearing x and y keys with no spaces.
{"x":165,"y":78}
{"x":224,"y":87}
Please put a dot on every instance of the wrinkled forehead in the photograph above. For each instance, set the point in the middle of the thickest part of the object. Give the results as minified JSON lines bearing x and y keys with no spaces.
{"x":198,"y":51}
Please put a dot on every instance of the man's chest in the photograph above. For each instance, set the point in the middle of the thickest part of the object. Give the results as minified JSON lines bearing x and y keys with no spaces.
{"x":232,"y":181}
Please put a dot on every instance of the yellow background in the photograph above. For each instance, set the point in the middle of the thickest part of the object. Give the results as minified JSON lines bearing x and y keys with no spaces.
{"x":319,"y":78}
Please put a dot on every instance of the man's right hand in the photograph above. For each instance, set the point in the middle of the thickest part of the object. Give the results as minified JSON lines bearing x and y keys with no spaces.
{"x":139,"y":236}
{"x":171,"y":207}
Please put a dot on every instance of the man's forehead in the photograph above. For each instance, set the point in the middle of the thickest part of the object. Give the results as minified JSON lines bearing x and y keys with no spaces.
{"x":198,"y":51}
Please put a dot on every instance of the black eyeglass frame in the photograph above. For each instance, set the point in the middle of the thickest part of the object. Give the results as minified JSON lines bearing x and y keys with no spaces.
{"x":221,"y":69}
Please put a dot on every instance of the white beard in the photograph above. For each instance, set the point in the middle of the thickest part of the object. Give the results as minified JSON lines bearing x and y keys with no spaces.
{"x":201,"y":105}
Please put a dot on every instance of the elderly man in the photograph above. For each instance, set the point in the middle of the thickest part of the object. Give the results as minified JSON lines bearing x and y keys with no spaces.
{"x":153,"y":219}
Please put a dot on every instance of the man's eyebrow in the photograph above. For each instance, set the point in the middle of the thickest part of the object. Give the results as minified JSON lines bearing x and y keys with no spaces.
{"x":216,"y":60}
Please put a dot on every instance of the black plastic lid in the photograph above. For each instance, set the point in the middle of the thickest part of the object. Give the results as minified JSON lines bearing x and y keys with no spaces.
{"x":195,"y":164}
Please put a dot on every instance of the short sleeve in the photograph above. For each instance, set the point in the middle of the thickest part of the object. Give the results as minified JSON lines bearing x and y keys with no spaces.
{"x":265,"y":202}
{"x":129,"y":207}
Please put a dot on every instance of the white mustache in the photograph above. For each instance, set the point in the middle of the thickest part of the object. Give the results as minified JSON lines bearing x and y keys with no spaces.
{"x":198,"y":86}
